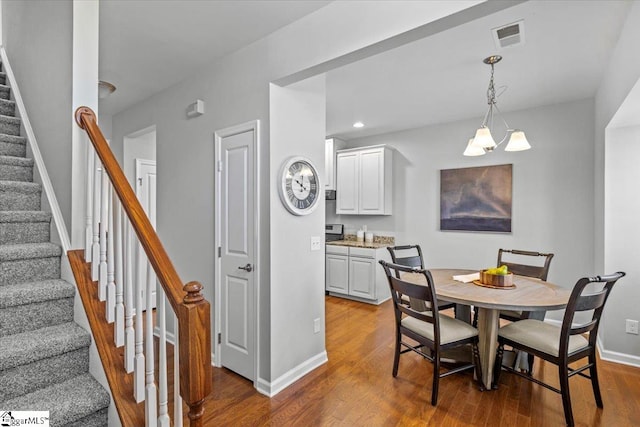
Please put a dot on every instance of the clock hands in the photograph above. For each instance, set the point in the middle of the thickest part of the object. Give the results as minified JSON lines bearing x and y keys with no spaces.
{"x":301,"y":185}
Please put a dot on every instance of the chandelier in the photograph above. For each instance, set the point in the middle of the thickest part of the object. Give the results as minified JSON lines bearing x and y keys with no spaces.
{"x":483,"y":141}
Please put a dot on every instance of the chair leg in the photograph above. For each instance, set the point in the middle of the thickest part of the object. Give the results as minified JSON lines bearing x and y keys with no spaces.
{"x":474,"y":323}
{"x":396,"y":357}
{"x":593,"y":373}
{"x":563,"y":371}
{"x":436,"y":378}
{"x":498,"y":366}
{"x":478,"y":366}
{"x":530,"y":359}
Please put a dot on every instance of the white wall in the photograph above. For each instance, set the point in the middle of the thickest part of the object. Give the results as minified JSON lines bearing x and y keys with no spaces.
{"x":620,"y":77}
{"x":297,"y":273}
{"x":552,"y":191}
{"x":41,"y":61}
{"x":622,"y":238}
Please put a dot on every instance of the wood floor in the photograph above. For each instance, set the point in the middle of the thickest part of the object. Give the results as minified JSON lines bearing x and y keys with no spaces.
{"x":355,"y":388}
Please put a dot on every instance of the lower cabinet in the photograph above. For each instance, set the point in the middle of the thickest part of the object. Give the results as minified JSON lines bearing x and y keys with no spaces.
{"x":354,"y":272}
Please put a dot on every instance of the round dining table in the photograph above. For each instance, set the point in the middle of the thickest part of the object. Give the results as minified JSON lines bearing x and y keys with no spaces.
{"x":528,"y":294}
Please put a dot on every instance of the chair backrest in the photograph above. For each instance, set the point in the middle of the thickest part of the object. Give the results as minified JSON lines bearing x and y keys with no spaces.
{"x":539,"y":272}
{"x":409,"y":255}
{"x":423,"y":292}
{"x":579,"y":301}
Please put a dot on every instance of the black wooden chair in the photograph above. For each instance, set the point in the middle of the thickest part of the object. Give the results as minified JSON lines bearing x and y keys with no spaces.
{"x":411,"y":256}
{"x":435,"y":333}
{"x":537,"y":271}
{"x":565,"y":344}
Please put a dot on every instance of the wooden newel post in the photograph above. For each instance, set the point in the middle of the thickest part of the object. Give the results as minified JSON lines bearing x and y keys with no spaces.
{"x":195,"y":351}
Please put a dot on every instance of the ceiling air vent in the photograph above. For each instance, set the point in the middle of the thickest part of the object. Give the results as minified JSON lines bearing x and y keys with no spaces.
{"x":509,"y":35}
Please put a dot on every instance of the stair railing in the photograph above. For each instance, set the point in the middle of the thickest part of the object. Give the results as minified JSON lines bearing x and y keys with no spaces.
{"x":114,"y":218}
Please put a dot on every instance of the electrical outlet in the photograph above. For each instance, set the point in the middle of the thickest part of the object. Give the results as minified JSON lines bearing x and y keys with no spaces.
{"x":632,"y":327}
{"x":316,"y":243}
{"x":316,"y":326}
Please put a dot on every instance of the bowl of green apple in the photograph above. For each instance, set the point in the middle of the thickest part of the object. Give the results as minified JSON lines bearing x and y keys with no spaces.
{"x":499,"y":277}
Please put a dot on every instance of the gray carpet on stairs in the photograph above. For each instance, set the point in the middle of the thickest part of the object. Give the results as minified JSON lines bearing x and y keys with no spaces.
{"x":44,"y":354}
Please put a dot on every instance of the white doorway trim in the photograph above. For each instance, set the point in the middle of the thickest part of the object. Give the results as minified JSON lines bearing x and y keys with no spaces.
{"x":254,"y":126}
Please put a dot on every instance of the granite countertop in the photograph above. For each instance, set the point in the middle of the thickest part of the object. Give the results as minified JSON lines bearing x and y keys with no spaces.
{"x":378,"y":242}
{"x":354,"y":244}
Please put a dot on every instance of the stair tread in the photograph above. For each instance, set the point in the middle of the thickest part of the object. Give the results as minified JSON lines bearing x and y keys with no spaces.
{"x":34,"y":292}
{"x":12,"y":139}
{"x":25,"y":216}
{"x":66,"y":402}
{"x":16,"y":161}
{"x":28,"y":347}
{"x":10,"y":119}
{"x":29,"y":251}
{"x":20,"y":186}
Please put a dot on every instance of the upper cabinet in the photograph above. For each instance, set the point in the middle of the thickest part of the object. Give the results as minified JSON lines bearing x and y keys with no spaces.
{"x":331,"y":145}
{"x":364,"y":181}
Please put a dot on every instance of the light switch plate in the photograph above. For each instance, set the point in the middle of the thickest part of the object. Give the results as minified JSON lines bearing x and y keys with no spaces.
{"x":316,"y":243}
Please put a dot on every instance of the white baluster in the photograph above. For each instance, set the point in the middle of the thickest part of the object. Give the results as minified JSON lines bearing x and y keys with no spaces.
{"x":102,"y":269}
{"x":177,"y":399}
{"x":129,"y":302}
{"x":151,"y":391}
{"x":95,"y":247}
{"x":138,"y":374}
{"x":111,"y":285}
{"x":163,"y":411}
{"x":88,"y":231}
{"x":118,"y":333}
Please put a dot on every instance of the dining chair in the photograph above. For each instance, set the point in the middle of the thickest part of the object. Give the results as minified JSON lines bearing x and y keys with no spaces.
{"x":411,"y":256}
{"x":564,"y":344}
{"x":529,"y":270}
{"x":436,"y":333}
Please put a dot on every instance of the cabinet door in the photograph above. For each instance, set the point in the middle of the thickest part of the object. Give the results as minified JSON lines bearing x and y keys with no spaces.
{"x":362,"y":277}
{"x":371,"y":196}
{"x":347,"y":183}
{"x":337,"y":273}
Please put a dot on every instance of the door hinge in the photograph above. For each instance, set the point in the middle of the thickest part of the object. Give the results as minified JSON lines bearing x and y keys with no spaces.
{"x":219,"y":338}
{"x":219,"y":251}
{"x":219,"y":165}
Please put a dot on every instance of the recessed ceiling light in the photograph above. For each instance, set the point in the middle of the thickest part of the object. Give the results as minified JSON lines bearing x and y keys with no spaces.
{"x":358,"y":125}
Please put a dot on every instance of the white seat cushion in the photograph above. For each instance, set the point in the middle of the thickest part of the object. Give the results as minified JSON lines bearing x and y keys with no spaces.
{"x":541,"y":336}
{"x":451,"y":329}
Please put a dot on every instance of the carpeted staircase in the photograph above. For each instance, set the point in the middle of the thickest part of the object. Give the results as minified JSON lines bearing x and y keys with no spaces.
{"x":44,"y":355}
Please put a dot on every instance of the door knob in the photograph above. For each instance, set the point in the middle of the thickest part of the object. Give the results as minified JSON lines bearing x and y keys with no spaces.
{"x":246,"y":268}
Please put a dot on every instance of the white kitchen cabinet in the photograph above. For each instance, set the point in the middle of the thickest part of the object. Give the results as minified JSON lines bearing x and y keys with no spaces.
{"x":331,"y":145}
{"x":337,"y":270}
{"x":364,"y":181}
{"x":354,"y":273}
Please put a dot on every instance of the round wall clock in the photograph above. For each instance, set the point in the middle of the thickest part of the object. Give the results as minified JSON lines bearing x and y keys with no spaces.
{"x":299,"y":185}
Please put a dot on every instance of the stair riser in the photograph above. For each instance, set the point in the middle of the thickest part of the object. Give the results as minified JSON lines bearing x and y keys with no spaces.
{"x":29,"y":270}
{"x":16,"y":150}
{"x":3,"y":79}
{"x":4,"y":92}
{"x":17,"y":201}
{"x":15,"y":233}
{"x":16,"y":173}
{"x":9,"y":127}
{"x":29,"y":317}
{"x":7,"y":108}
{"x":24,"y":379}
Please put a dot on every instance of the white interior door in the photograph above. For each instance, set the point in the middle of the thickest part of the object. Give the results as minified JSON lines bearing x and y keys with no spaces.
{"x":236,"y":285}
{"x":146,"y":192}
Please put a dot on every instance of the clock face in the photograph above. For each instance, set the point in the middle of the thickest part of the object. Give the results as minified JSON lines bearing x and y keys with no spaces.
{"x":299,"y":187}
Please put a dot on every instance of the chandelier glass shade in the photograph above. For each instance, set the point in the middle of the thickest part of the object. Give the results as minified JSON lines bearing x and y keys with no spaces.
{"x":483,"y":141}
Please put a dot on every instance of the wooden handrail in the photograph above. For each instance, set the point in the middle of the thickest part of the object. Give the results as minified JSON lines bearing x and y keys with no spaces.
{"x":187,"y":301}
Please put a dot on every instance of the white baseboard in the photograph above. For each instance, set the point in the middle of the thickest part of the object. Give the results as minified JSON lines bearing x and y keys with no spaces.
{"x":608,"y":355}
{"x":270,"y":389}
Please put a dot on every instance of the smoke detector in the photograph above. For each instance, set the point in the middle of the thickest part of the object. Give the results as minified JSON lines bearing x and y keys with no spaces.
{"x":509,"y":35}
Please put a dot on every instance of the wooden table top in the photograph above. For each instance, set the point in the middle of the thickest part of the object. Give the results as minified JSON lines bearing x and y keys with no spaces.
{"x":529,"y":294}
